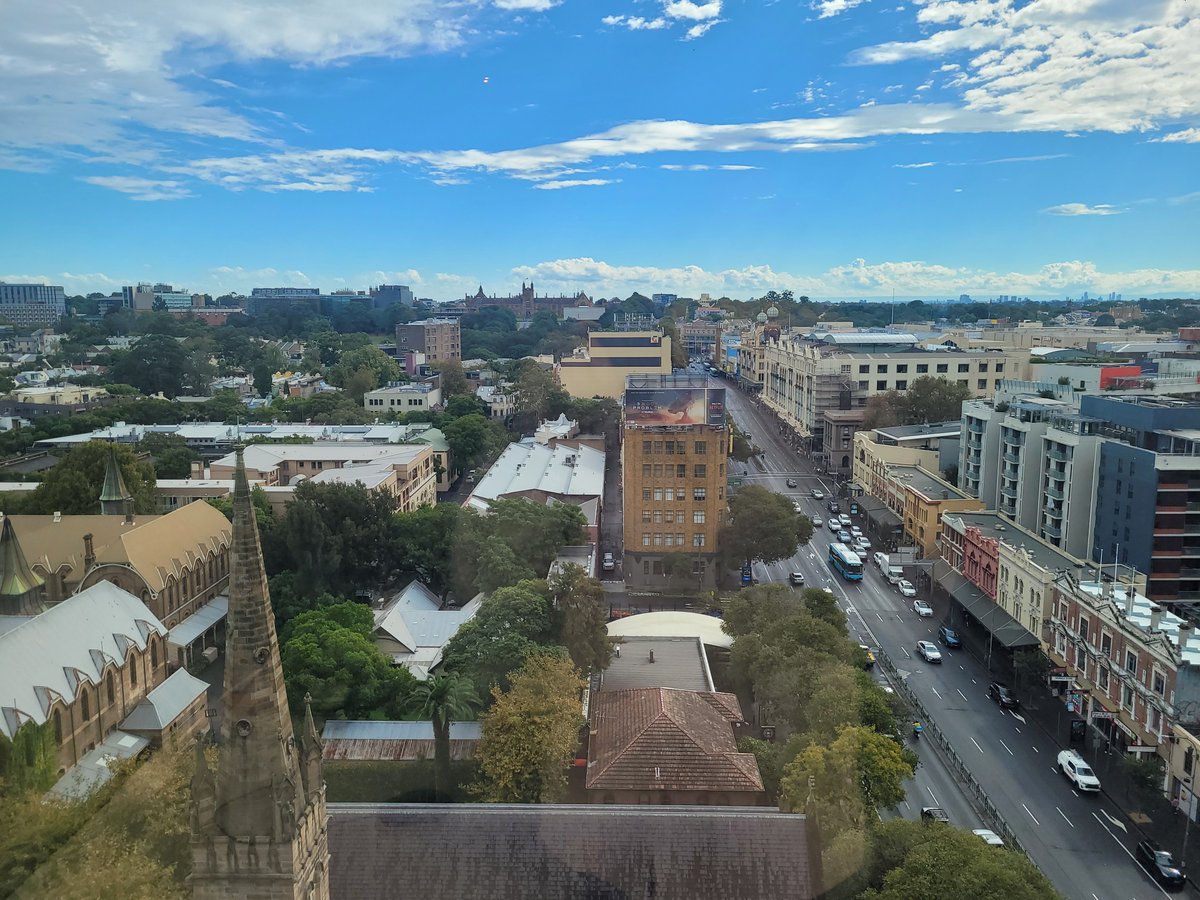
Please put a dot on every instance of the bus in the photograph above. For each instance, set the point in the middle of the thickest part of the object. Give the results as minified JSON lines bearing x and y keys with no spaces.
{"x":846,"y":561}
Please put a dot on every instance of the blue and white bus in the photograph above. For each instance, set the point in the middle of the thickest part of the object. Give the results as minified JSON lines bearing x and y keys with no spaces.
{"x":846,"y":561}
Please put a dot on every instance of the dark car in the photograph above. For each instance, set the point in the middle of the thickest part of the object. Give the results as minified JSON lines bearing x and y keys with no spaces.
{"x":1003,"y":696}
{"x":949,"y":636}
{"x":934,"y":814}
{"x":1161,"y":865}
{"x":791,"y":482}
{"x":833,"y":507}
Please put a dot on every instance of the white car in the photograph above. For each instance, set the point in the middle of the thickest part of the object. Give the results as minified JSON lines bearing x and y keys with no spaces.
{"x":817,"y":521}
{"x":818,"y":495}
{"x":929,"y":651}
{"x":834,"y":525}
{"x":856,"y":531}
{"x":1078,"y":772}
{"x":797,"y":507}
{"x":845,"y":520}
{"x":988,"y":836}
{"x":906,"y":588}
{"x":922,"y":609}
{"x":880,"y":559}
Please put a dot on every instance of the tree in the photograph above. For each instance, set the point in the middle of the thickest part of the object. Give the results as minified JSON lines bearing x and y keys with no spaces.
{"x":928,"y":399}
{"x":329,"y":654}
{"x":424,"y":540}
{"x":369,"y":359}
{"x":28,"y":762}
{"x":454,"y":379}
{"x":172,"y":456}
{"x":536,"y":391}
{"x":1030,"y":667}
{"x":762,"y":525}
{"x":474,"y":439}
{"x":444,"y":699}
{"x":73,"y":486}
{"x":262,"y":378}
{"x":530,"y":733}
{"x":465,"y":405}
{"x":154,"y":365}
{"x":583,"y":613}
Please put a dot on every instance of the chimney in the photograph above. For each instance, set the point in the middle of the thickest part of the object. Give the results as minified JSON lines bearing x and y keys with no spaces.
{"x":197,"y":468}
{"x":89,"y":552}
{"x":651,"y":656}
{"x":1156,"y":618}
{"x":1129,"y":595}
{"x":1185,"y":635}
{"x":617,"y":651}
{"x":128,"y":518}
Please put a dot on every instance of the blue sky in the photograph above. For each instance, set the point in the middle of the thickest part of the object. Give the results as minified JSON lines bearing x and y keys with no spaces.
{"x":840,"y":148}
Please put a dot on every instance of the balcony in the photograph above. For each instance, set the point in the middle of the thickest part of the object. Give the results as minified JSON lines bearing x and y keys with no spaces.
{"x":1189,"y":573}
{"x":975,"y":426}
{"x":1008,"y":509}
{"x":1052,"y":530}
{"x":1058,"y":455}
{"x":1011,"y":456}
{"x":1054,"y":512}
{"x":1054,"y":493}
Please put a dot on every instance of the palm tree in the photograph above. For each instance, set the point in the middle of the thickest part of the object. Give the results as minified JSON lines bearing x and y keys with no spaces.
{"x":444,"y":699}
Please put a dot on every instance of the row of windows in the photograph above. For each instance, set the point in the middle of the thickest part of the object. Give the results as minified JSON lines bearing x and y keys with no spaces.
{"x":672,"y":447}
{"x":657,"y":470}
{"x":923,"y":368}
{"x":659,"y":539}
{"x":110,"y":690}
{"x":180,"y":592}
{"x":655,"y":566}
{"x":671,"y":516}
{"x":698,"y":493}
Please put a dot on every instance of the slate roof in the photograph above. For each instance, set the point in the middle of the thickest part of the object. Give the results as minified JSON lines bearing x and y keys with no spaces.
{"x":661,"y":739}
{"x":550,"y":852}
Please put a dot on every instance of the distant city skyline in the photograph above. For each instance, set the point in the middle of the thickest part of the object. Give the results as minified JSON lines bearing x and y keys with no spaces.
{"x":837,"y":148}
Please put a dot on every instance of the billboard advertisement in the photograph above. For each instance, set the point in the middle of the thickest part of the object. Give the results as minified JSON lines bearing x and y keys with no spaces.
{"x":675,"y":406}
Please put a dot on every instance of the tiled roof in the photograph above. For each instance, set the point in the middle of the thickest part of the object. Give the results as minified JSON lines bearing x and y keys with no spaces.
{"x":506,"y":852}
{"x":661,"y":739}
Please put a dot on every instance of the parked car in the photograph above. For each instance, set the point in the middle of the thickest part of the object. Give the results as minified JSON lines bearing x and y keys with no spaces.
{"x":817,"y":521}
{"x":791,"y":482}
{"x":929,"y":651}
{"x":856,"y":531}
{"x":934,"y":814}
{"x":862,"y":547}
{"x":833,"y":507}
{"x":949,"y":636}
{"x":796,"y":578}
{"x":922,"y":609}
{"x":1000,"y":692}
{"x":797,"y":507}
{"x":988,"y":836}
{"x":906,"y":589}
{"x":1161,"y":866}
{"x":1078,"y":772}
{"x":818,"y":494}
{"x":608,"y":563}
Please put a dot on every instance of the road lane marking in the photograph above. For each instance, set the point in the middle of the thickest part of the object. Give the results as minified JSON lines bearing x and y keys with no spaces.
{"x":1017,"y":730}
{"x":935,"y":690}
{"x":1123,"y":847}
{"x":1016,"y":716}
{"x":1065,"y":819}
{"x":961,"y":694}
{"x":930,"y":791}
{"x":906,"y":653}
{"x":1116,"y":822}
{"x":976,"y":743}
{"x":1005,"y":746}
{"x":1073,"y":792}
{"x":1031,"y":815}
{"x":1036,"y":750}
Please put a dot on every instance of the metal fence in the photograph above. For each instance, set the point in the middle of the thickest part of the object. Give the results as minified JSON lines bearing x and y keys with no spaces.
{"x":983,"y":804}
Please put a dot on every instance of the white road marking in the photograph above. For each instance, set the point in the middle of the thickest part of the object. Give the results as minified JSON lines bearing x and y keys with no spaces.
{"x":976,"y":743}
{"x":961,"y":694}
{"x":1120,"y":844}
{"x":1065,"y":819}
{"x":1017,"y":730}
{"x":1116,"y":822}
{"x":1036,"y":750}
{"x":1019,"y":718}
{"x":935,"y":690}
{"x":1005,"y":746}
{"x":973,"y":681}
{"x":935,"y":800}
{"x":879,"y":616}
{"x":1074,"y":792}
{"x":1031,"y":815}
{"x":906,"y":653}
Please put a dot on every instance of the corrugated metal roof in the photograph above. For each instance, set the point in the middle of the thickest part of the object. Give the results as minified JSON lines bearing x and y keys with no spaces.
{"x":365,"y":740}
{"x":165,"y":703}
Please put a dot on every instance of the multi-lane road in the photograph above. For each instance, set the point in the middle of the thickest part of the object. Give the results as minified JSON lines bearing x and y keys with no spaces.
{"x":1084,"y":844}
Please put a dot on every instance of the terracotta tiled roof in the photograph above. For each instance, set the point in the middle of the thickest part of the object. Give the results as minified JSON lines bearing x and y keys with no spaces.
{"x":660,"y":739}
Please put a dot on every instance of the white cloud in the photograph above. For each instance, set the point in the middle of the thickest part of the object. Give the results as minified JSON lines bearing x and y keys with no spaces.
{"x":1018,"y":159}
{"x":920,"y":165}
{"x":526,"y":5}
{"x":703,"y":167}
{"x":637,"y":23}
{"x":828,"y":8}
{"x":696,"y":12}
{"x":576,"y":182}
{"x":703,"y":16}
{"x":1082,"y":209}
{"x":857,"y":278}
{"x":1187,"y":136}
{"x":141,"y":188}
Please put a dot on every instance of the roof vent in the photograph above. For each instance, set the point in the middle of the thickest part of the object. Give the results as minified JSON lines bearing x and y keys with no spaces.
{"x":657,"y":774}
{"x":651,"y":656}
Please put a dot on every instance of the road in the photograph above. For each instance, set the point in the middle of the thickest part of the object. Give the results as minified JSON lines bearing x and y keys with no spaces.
{"x":1083,"y":844}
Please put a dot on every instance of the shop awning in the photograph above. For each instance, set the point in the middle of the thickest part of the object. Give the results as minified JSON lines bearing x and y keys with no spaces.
{"x":1003,"y":627}
{"x":885,"y":521}
{"x":183,"y":634}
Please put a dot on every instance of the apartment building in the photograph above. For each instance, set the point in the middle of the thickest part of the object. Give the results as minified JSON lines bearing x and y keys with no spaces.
{"x":839,"y":430}
{"x":926,"y":498}
{"x":700,"y":338}
{"x":32,"y":304}
{"x":872,"y":459}
{"x":403,"y":398}
{"x":673,"y":461}
{"x":439,"y":339}
{"x":805,"y":377}
{"x":600,"y":369}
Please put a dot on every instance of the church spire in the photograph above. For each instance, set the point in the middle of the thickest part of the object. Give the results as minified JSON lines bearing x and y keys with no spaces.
{"x":264,"y":828}
{"x":20,"y":587}
{"x":115,"y":499}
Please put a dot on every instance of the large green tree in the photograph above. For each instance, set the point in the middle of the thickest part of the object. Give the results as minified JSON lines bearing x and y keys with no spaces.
{"x":424,"y":541}
{"x":474,"y":439}
{"x":443,"y":699}
{"x":530,"y":733}
{"x":762,"y":525}
{"x":928,"y":399}
{"x":73,"y":486}
{"x":155,"y":364}
{"x":583,"y":612}
{"x":172,"y":456}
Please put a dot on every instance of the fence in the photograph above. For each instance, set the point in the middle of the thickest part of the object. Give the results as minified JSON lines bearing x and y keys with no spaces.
{"x":983,"y":804}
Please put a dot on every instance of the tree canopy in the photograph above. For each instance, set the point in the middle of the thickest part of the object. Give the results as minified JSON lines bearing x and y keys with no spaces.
{"x":73,"y":486}
{"x":583,"y":614}
{"x":762,"y":525}
{"x":928,"y":399}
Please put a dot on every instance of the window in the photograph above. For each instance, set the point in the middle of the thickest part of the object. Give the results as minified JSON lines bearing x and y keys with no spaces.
{"x":701,"y":448}
{"x":133,"y":672}
{"x":901,"y":368}
{"x":864,"y":370}
{"x":698,"y":539}
{"x":1160,"y":684}
{"x":902,"y":384}
{"x":658,"y":539}
{"x":645,"y":470}
{"x":1127,"y":697}
{"x":646,"y":447}
{"x":1084,"y":625}
{"x":701,"y":471}
{"x":85,"y":705}
{"x":658,"y":446}
{"x":981,"y":384}
{"x":881,"y":369}
{"x":58,"y":729}
{"x":1106,"y":645}
{"x":698,"y":517}
{"x":681,"y":471}
{"x":964,"y":367}
{"x":922,"y":368}
{"x":679,"y":540}
{"x":1130,"y":662}
{"x":645,"y":493}
{"x":943,"y":368}
{"x":699,"y":493}
{"x":669,"y":448}
{"x":109,"y":688}
{"x":645,"y":539}
{"x":881,"y":384}
{"x":1102,"y":678}
{"x":645,"y":515}
{"x":658,"y":470}
{"x":999,"y":368}
{"x":658,"y":517}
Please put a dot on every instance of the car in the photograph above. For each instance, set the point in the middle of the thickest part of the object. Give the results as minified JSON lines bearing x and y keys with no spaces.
{"x":1004,"y":697}
{"x":922,"y":609}
{"x":817,"y":521}
{"x":934,"y":814}
{"x":608,"y":563}
{"x":844,"y":519}
{"x":929,"y":651}
{"x":1160,"y":865}
{"x":834,"y":525}
{"x":833,"y":507}
{"x":844,"y":537}
{"x":869,"y":662}
{"x":791,"y":482}
{"x":880,"y":560}
{"x":862,"y":546}
{"x":894,"y":574}
{"x":856,"y":531}
{"x":949,"y":636}
{"x":988,"y":836}
{"x":796,"y":578}
{"x":797,"y":507}
{"x":907,"y":590}
{"x":818,"y":495}
{"x":1076,"y":770}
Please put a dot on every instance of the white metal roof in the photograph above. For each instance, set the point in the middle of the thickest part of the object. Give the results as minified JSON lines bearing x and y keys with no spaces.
{"x":165,"y":703}
{"x":69,"y":644}
{"x":199,"y":622}
{"x":1140,"y":616}
{"x":672,"y":624}
{"x":415,"y":620}
{"x":200,"y":432}
{"x":562,"y":470}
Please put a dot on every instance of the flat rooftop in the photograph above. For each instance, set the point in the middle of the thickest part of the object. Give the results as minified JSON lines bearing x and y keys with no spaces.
{"x":679,"y":662}
{"x":927,"y":484}
{"x":994,"y":525}
{"x":902,"y":433}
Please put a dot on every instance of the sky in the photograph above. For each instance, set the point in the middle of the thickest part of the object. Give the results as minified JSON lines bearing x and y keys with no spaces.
{"x":836,"y":148}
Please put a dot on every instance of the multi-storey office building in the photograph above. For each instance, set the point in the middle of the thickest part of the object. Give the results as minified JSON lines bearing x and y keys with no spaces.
{"x":675,"y":440}
{"x":32,"y":304}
